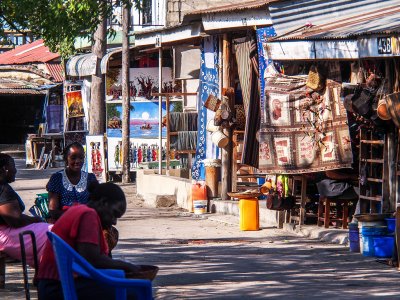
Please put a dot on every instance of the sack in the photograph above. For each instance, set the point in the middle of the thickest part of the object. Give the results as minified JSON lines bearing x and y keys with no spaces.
{"x":315,"y":80}
{"x":277,"y":202}
{"x":212,"y":103}
{"x":362,"y":105}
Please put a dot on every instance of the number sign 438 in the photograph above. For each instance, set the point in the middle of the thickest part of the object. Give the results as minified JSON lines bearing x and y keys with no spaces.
{"x":384,"y":45}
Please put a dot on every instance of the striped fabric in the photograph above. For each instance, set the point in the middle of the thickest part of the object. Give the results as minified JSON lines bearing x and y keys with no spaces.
{"x":242,"y":48}
{"x":247,"y":61}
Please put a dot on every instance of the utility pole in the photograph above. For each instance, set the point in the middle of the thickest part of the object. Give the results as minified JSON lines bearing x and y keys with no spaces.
{"x":125,"y":93}
{"x":97,"y":112}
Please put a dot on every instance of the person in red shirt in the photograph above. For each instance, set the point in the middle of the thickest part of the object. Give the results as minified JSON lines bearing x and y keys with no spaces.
{"x":81,"y":227}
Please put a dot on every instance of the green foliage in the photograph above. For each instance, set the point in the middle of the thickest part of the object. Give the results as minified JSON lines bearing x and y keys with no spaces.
{"x":58,"y":22}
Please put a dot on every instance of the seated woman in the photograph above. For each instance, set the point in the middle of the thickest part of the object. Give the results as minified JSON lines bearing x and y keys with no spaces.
{"x":13,"y":221}
{"x":69,"y":186}
{"x":81,"y":226}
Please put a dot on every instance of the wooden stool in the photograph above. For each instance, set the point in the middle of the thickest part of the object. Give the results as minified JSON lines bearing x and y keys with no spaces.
{"x":342,"y":211}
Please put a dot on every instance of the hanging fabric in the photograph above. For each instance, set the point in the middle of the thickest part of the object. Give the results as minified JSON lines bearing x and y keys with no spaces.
{"x":242,"y":52}
{"x":209,"y":85}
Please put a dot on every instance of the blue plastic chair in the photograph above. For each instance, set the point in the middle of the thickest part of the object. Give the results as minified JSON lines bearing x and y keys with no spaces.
{"x":69,"y":262}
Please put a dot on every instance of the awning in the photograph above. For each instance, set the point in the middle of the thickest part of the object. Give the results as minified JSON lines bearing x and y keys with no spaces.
{"x":168,"y":35}
{"x":288,"y":16}
{"x":371,"y":34}
{"x":82,"y":65}
{"x":110,"y":52}
{"x":246,"y":14}
{"x":10,"y":86}
{"x":85,"y":65}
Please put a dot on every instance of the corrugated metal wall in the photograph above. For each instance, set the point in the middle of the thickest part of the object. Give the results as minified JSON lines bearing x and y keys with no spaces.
{"x":290,"y":15}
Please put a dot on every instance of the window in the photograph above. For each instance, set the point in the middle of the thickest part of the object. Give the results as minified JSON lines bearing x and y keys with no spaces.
{"x":146,"y":12}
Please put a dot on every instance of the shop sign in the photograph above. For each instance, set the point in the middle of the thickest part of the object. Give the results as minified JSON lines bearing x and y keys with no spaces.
{"x":381,"y":46}
{"x":384,"y":45}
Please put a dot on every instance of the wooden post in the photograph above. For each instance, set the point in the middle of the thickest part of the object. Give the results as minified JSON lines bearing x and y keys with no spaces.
{"x":226,"y":158}
{"x":125,"y":94}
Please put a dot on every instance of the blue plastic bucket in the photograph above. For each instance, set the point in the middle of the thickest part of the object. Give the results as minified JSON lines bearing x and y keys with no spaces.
{"x":368,"y":234}
{"x":384,"y":246}
{"x":391,"y":224}
{"x":354,"y":238}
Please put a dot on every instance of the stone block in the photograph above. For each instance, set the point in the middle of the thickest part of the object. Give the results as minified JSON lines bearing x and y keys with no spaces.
{"x":165,"y":200}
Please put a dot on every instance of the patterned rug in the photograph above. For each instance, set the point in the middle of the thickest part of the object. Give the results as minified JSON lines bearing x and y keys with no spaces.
{"x":302,"y":131}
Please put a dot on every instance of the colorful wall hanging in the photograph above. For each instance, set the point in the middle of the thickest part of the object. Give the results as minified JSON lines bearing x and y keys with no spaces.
{"x":95,"y":156}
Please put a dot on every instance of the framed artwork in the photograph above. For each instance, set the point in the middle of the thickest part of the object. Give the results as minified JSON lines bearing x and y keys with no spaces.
{"x":144,"y":120}
{"x":74,"y":104}
{"x":95,"y":156}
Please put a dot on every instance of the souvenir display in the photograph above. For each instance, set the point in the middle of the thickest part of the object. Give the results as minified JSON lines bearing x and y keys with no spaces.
{"x":95,"y":156}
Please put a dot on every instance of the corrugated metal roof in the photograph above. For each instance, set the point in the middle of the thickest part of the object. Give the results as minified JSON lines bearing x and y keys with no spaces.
{"x":28,"y":53}
{"x":291,"y":15}
{"x":231,"y":7}
{"x":19,"y":87}
{"x":381,"y":21}
{"x":56,"y":71}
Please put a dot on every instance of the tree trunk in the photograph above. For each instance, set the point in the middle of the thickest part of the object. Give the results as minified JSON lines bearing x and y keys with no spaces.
{"x":97,"y":111}
{"x":125,"y":94}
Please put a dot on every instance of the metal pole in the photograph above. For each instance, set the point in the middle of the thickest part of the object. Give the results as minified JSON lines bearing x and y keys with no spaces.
{"x":160,"y":111}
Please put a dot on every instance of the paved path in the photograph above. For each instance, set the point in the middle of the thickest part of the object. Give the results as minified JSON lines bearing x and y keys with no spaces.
{"x":206,"y":259}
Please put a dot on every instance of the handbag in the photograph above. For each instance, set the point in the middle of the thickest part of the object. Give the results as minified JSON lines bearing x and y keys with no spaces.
{"x":315,"y":80}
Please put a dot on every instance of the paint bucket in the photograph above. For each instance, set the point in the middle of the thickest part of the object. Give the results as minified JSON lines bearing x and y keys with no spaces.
{"x":199,"y":197}
{"x":354,"y":237}
{"x":219,"y":139}
{"x":384,"y":246}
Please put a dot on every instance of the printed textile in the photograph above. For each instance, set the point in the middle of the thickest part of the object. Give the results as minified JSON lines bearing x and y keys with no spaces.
{"x":209,"y":85}
{"x":302,"y":131}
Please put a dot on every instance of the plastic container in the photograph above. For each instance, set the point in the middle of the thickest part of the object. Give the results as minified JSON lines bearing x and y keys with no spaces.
{"x":354,"y":237}
{"x":261,"y":181}
{"x":199,"y":197}
{"x":368,"y":234}
{"x":249,"y":214}
{"x":384,"y":246}
{"x":391,"y":225}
